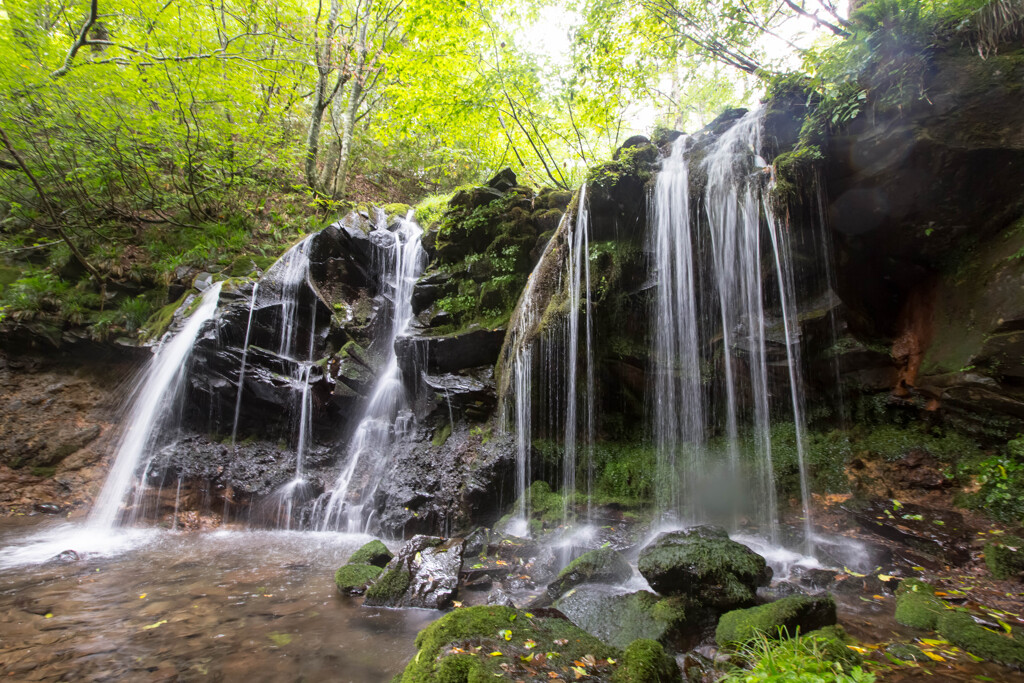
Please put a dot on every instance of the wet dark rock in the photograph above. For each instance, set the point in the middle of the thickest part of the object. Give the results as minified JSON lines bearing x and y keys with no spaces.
{"x":425,"y":573}
{"x":920,"y":470}
{"x":779,"y":590}
{"x":603,"y":565}
{"x":451,"y":353}
{"x":818,"y":579}
{"x":634,"y":141}
{"x":906,"y":652}
{"x":501,"y":598}
{"x":915,"y":527}
{"x":792,"y":615}
{"x":620,"y":618}
{"x":65,"y":557}
{"x":703,"y":563}
{"x":48,"y":508}
{"x":477,"y":541}
{"x":503,"y":181}
{"x":697,"y":668}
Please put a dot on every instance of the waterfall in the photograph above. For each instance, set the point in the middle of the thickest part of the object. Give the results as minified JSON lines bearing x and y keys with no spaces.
{"x":386,"y":417}
{"x":152,"y":398}
{"x":241,"y":370}
{"x":678,"y":394}
{"x":578,"y":279}
{"x":713,"y":289}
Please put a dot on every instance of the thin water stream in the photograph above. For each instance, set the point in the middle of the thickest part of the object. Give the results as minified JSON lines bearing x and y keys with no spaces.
{"x":226,"y":606}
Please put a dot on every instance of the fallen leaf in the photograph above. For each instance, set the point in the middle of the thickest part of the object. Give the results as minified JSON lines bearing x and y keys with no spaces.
{"x":561,"y":641}
{"x":162,"y":621}
{"x":496,"y":654}
{"x":143,"y":596}
{"x":506,"y":634}
{"x":936,"y":657}
{"x":530,"y":644}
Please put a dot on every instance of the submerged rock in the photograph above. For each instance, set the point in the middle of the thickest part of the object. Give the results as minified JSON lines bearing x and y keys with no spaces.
{"x":783,"y":617}
{"x":425,"y":573}
{"x":703,"y":563}
{"x":603,"y":565}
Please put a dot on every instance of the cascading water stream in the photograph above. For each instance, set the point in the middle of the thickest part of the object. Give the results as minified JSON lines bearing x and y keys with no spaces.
{"x":154,"y":394}
{"x":578,"y":278}
{"x":241,"y":370}
{"x":384,"y":419}
{"x":711,"y":289}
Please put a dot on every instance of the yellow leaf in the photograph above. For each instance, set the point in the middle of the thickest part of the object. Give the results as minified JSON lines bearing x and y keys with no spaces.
{"x":527,"y":658}
{"x":143,"y":596}
{"x":878,"y":597}
{"x":528,"y":615}
{"x":456,"y":604}
{"x":507,"y":634}
{"x":611,"y":661}
{"x":933,"y":642}
{"x":861,"y":650}
{"x":162,"y":621}
{"x":48,"y":615}
{"x":936,"y":657}
{"x":496,"y":654}
{"x":885,"y":577}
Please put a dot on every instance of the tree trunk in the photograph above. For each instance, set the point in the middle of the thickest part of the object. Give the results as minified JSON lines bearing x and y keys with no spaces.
{"x":320,"y":101}
{"x":348,"y":118}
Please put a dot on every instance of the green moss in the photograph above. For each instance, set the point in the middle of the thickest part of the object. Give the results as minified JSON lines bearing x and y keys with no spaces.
{"x":1004,"y":557}
{"x":645,"y":661}
{"x":389,"y":588}
{"x":441,"y":435}
{"x":161,"y":320}
{"x":831,"y":643}
{"x":912,"y":585}
{"x":918,"y":610}
{"x":352,"y":579}
{"x":625,"y":471}
{"x":459,"y":646}
{"x":604,"y":565}
{"x":374,"y":552}
{"x":961,"y":630}
{"x":705,"y":564}
{"x":45,"y":472}
{"x":782,"y":618}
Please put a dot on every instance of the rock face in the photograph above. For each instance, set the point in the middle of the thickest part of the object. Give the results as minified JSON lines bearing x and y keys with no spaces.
{"x":702,"y":563}
{"x":425,"y":573}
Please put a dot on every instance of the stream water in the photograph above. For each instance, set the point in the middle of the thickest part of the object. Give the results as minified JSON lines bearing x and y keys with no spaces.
{"x":222,"y":606}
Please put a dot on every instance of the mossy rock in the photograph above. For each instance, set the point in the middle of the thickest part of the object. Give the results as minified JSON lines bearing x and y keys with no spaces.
{"x":830,"y":642}
{"x":645,"y":661}
{"x":460,"y":647}
{"x":374,"y":552}
{"x":960,"y":629}
{"x":905,"y":652}
{"x":782,"y":618}
{"x":705,"y":564}
{"x":914,"y":586}
{"x":620,"y":618}
{"x":352,"y":579}
{"x":1004,"y":558}
{"x":918,"y":610}
{"x":603,"y":565}
{"x":389,"y":588}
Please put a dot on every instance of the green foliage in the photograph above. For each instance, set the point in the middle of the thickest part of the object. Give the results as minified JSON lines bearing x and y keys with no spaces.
{"x":625,"y":471}
{"x":803,"y":659}
{"x":1001,"y":480}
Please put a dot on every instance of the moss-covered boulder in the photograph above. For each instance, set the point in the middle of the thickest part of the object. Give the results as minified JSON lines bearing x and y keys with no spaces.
{"x":918,"y":610}
{"x":645,"y":661}
{"x":1005,"y":557}
{"x":374,"y":552}
{"x":703,"y":563}
{"x":487,"y":642}
{"x":603,"y":565}
{"x":780,"y":618}
{"x":352,"y":579}
{"x":425,"y":573}
{"x":960,"y":629}
{"x":620,"y":618}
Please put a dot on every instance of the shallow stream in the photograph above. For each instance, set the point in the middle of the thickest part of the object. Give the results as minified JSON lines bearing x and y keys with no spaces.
{"x":221,"y":606}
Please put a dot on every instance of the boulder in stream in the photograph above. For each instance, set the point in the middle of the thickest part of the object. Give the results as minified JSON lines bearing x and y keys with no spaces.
{"x":704,"y":564}
{"x":425,"y":573}
{"x":603,"y":565}
{"x":801,"y":613}
{"x":620,"y":618}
